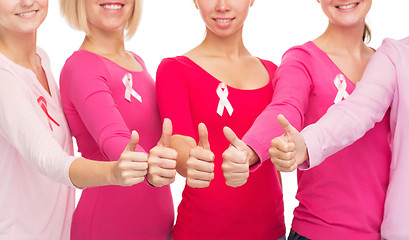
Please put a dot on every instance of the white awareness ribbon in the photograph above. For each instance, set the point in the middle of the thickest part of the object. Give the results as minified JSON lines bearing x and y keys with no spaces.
{"x":223,"y":93}
{"x":127,"y":80}
{"x":341,"y":85}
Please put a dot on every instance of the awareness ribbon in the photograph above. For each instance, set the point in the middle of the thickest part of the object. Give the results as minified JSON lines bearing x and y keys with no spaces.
{"x":223,"y":93}
{"x":127,"y":80}
{"x":341,"y":85}
{"x":43,"y":105}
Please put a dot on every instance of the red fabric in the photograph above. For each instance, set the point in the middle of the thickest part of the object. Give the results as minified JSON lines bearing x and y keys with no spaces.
{"x":187,"y":95}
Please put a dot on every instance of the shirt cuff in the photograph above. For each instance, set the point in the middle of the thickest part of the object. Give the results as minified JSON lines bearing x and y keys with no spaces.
{"x":313,"y":148}
{"x":68,"y":182}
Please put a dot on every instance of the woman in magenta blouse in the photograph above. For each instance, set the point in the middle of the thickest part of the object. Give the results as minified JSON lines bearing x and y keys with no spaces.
{"x":106,"y":92}
{"x":383,"y":86}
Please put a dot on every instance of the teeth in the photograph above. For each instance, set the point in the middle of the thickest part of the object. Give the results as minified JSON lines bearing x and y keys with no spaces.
{"x":223,"y":20}
{"x":349,"y":6}
{"x":112,"y":6}
{"x":26,"y":14}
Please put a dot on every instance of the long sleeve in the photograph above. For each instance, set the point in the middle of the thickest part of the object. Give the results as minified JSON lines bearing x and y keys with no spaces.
{"x":24,"y":129}
{"x":85,"y":83}
{"x":348,"y":120}
{"x":291,"y":85}
{"x":173,"y":97}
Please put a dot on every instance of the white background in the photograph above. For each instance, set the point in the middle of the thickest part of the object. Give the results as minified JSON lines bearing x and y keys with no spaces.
{"x":172,"y":27}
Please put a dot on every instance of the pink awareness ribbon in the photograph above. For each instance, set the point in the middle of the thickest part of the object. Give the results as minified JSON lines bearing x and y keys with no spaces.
{"x":43,"y":104}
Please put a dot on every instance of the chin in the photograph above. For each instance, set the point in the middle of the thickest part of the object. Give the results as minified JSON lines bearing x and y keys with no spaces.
{"x":113,"y":26}
{"x":26,"y":29}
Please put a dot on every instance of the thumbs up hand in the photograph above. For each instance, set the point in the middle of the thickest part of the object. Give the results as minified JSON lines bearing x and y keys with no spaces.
{"x":162,"y":159}
{"x":289,"y":150}
{"x":200,"y":166}
{"x":132,"y":166}
{"x":235,"y":160}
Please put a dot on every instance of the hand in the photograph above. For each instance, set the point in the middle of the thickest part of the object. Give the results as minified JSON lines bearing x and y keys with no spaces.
{"x":200,"y":166}
{"x":289,"y":150}
{"x":162,"y":159}
{"x":132,"y":166}
{"x":235,"y":160}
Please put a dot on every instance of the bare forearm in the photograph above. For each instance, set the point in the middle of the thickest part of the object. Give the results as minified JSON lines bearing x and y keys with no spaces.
{"x":87,"y":173}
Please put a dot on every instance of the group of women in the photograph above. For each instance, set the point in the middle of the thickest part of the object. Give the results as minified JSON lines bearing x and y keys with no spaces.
{"x":210,"y":117}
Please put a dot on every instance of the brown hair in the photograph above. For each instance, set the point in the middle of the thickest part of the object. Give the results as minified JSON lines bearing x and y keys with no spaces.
{"x":366,"y":37}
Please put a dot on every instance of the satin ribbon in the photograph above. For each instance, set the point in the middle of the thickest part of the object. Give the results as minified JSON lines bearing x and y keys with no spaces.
{"x":223,"y":93}
{"x":341,"y":85}
{"x":127,"y":80}
{"x":43,"y":105}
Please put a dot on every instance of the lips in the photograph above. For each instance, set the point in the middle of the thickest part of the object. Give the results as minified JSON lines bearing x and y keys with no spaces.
{"x":223,"y":20}
{"x":347,"y":6}
{"x":112,"y":6}
{"x":27,"y":13}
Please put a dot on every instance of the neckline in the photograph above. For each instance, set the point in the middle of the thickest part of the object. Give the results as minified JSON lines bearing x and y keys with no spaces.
{"x":231,"y":87}
{"x":330,"y":60}
{"x":125,"y":69}
{"x":35,"y":81}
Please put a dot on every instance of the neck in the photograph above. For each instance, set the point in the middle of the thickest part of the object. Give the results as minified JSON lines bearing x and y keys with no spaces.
{"x":231,"y":47}
{"x":105,"y":43}
{"x":341,"y":40}
{"x":19,"y":47}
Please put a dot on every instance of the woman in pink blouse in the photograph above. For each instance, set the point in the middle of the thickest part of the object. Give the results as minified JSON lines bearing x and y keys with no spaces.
{"x":346,"y":203}
{"x":106,"y":93}
{"x":38,"y":171}
{"x":383,"y":86}
{"x":217,"y":84}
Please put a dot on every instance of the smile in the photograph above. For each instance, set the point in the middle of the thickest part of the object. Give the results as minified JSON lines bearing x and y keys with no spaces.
{"x":27,"y":14}
{"x":223,"y":20}
{"x":112,"y":6}
{"x":349,"y":6}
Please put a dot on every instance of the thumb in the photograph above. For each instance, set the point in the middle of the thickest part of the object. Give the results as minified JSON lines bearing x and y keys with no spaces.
{"x":203,"y":137}
{"x":164,"y":140}
{"x":285,"y":124}
{"x":233,"y":139}
{"x":133,"y":142}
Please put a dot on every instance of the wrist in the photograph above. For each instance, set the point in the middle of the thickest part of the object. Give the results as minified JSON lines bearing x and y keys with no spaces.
{"x":305,"y":158}
{"x":147,"y":180}
{"x":252,"y":156}
{"x":111,"y":175}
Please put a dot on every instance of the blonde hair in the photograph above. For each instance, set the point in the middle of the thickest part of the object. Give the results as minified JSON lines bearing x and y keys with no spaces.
{"x":74,"y":12}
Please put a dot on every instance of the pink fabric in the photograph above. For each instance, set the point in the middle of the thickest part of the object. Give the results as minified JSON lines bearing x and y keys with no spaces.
{"x":101,"y":119}
{"x":383,"y":85}
{"x":36,"y":194}
{"x":187,"y":95}
{"x":343,"y":198}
